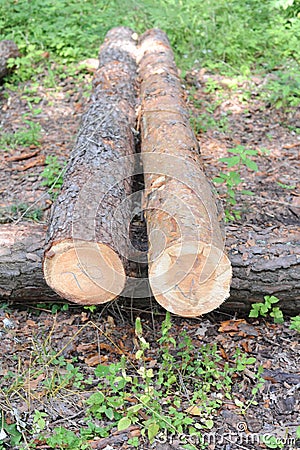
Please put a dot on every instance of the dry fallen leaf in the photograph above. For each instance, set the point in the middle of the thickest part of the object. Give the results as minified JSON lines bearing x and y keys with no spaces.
{"x":194,"y":411}
{"x":231,"y":325}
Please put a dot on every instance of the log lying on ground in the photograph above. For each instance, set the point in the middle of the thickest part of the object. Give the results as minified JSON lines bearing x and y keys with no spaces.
{"x":265,"y":262}
{"x":189,"y":271}
{"x":88,"y":233}
{"x":8,"y":49}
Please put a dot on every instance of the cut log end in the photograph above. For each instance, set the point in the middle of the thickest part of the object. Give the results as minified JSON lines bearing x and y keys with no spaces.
{"x":191,"y":280}
{"x":86,"y":273}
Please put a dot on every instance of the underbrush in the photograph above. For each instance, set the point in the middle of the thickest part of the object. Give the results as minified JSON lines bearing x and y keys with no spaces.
{"x":178,"y":390}
{"x":233,"y":37}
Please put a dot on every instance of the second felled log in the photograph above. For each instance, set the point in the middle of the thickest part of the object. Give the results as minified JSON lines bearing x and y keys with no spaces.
{"x":189,"y":271}
{"x":8,"y":49}
{"x":88,"y":232}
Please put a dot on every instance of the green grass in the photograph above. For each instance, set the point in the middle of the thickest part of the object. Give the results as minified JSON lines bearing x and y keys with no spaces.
{"x":231,"y":36}
{"x":29,"y":134}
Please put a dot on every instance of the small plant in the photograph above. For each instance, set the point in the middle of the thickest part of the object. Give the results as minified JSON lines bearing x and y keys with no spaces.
{"x":232,"y":179}
{"x":154,"y":397}
{"x":52,"y":175}
{"x":263,"y":309}
{"x":295,"y":323}
{"x":284,"y":90}
{"x":15,"y":212}
{"x":63,"y":438}
{"x":30,"y":134}
{"x":272,"y":441}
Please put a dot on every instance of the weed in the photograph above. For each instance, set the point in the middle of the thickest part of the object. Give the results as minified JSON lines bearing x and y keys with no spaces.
{"x":30,"y":134}
{"x":63,"y":438}
{"x":285,"y":186}
{"x":283,"y":89}
{"x":295,"y":323}
{"x":156,"y":397}
{"x":53,"y":175}
{"x":14,"y":212}
{"x":262,"y":309}
{"x":232,"y":179}
{"x":90,"y":308}
{"x":272,"y":442}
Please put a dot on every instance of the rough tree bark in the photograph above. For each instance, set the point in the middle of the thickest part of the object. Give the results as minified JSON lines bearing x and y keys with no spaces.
{"x":189,"y":271}
{"x":265,"y":262}
{"x":88,"y":233}
{"x":8,"y":49}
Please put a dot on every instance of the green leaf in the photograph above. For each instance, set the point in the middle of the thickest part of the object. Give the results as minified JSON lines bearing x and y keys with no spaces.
{"x":138,"y":327}
{"x":96,"y":399}
{"x":124,"y":423}
{"x":250,"y":360}
{"x":251,"y":164}
{"x":102,"y":371}
{"x":246,"y":192}
{"x":135,"y":408}
{"x":238,"y":150}
{"x":139,"y":354}
{"x":250,"y":152}
{"x":218,"y":180}
{"x":271,"y":299}
{"x":209,"y":423}
{"x":298,"y":432}
{"x":145,"y":399}
{"x":232,"y":161}
{"x":153,"y":429}
{"x":109,"y":412}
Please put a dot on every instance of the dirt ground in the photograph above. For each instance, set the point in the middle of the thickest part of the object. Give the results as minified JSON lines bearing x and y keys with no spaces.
{"x":77,"y":333}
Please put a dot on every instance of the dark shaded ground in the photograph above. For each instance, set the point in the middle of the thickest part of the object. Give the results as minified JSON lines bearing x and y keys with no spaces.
{"x":28,"y":335}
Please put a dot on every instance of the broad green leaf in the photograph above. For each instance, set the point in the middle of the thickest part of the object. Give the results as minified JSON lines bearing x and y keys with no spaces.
{"x":232,"y":161}
{"x":209,"y":423}
{"x":218,"y":180}
{"x":124,"y":423}
{"x":135,"y":408}
{"x":109,"y":412}
{"x":139,"y":354}
{"x":96,"y":399}
{"x":153,"y":429}
{"x":251,"y":164}
{"x":250,"y":360}
{"x":145,"y":398}
{"x":102,"y":371}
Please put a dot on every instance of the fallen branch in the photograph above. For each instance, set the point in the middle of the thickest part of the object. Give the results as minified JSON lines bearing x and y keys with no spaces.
{"x":264,"y":262}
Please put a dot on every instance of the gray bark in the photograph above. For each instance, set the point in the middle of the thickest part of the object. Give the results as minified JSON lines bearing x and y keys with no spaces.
{"x":8,"y":49}
{"x":265,"y":262}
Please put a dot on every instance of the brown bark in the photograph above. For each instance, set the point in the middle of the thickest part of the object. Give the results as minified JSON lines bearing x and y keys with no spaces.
{"x":189,"y":271}
{"x":265,"y":262}
{"x":8,"y":49}
{"x":88,"y":233}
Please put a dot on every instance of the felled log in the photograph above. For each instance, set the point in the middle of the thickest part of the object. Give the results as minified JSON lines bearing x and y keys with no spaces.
{"x":88,"y":234}
{"x":189,"y":271}
{"x":264,"y":262}
{"x":8,"y":49}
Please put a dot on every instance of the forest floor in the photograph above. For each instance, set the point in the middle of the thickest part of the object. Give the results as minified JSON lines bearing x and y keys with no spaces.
{"x":37,"y":344}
